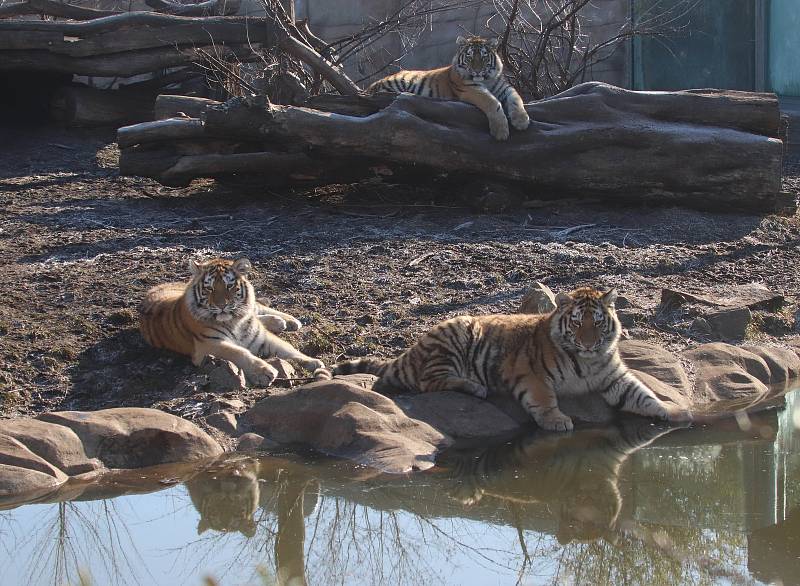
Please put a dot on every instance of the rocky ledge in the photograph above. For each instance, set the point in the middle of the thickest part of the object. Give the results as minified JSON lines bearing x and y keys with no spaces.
{"x":343,"y":417}
{"x":38,"y":456}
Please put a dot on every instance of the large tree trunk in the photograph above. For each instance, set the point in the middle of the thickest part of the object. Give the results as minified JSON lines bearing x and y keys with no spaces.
{"x":123,"y":45}
{"x":705,"y":148}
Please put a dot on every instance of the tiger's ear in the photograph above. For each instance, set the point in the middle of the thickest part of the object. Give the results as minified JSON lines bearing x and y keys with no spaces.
{"x":493,"y":43}
{"x":461,"y":41}
{"x":609,"y":297}
{"x":563,"y":299}
{"x":194,"y":267}
{"x":242,"y":265}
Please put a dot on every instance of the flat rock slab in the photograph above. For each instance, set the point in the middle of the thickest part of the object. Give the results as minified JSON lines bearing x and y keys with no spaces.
{"x":754,"y":296}
{"x":341,"y":419}
{"x":39,"y":455}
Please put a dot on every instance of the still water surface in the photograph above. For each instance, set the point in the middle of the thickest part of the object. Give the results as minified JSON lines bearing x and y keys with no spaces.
{"x":632,"y":504}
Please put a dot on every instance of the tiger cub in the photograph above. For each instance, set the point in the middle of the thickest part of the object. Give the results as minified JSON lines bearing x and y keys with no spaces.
{"x":475,"y":76}
{"x":217,"y":314}
{"x":536,"y":358}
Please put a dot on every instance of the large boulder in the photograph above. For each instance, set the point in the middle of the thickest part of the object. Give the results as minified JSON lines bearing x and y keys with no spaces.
{"x":130,"y":437}
{"x":37,"y":456}
{"x":342,"y":419}
{"x":57,"y":444}
{"x":744,"y":374}
{"x":23,"y":472}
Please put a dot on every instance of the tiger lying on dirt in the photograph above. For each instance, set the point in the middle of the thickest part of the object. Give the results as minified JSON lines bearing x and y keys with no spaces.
{"x":216,"y":313}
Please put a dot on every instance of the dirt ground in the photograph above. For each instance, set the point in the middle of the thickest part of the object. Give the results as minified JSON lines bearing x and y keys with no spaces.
{"x":366,"y":267}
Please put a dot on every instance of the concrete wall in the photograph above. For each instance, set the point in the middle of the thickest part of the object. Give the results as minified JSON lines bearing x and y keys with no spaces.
{"x":333,"y":19}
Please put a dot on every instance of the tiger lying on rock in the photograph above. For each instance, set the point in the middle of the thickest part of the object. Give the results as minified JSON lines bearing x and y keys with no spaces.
{"x":217,"y":314}
{"x":536,"y":358}
{"x":475,"y":76}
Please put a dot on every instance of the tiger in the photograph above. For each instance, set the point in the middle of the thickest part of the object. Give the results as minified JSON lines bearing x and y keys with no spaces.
{"x":216,"y":313}
{"x":576,"y":475}
{"x":475,"y":76}
{"x":570,"y":351}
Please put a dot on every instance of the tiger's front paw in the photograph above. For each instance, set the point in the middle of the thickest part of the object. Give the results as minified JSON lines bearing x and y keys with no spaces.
{"x":293,"y":324}
{"x":498,"y":127}
{"x":313,"y":364}
{"x":555,"y":421}
{"x":678,"y":415}
{"x":262,"y":375}
{"x":274,"y":323}
{"x":520,"y":120}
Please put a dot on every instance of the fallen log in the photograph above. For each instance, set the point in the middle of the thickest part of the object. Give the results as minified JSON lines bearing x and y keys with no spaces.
{"x":704,"y":148}
{"x":74,"y":12}
{"x":207,"y":8}
{"x":170,"y":106}
{"x":85,"y":106}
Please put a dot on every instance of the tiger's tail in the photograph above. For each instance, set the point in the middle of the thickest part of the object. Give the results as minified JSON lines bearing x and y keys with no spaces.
{"x":392,"y":375}
{"x":365,"y":365}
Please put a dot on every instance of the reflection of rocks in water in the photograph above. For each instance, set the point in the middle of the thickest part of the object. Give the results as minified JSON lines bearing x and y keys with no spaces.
{"x":227,"y":495}
{"x":773,"y":552}
{"x":574,"y":475}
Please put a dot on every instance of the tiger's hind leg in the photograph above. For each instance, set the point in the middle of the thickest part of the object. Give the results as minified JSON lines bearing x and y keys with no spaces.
{"x":453,"y":383}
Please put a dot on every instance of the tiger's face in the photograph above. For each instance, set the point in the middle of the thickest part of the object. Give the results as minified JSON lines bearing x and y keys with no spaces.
{"x":585,"y":321}
{"x":477,"y":59}
{"x":220,"y":290}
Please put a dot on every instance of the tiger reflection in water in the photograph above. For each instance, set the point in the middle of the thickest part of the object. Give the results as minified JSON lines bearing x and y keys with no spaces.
{"x":576,"y":476}
{"x":226,"y":495}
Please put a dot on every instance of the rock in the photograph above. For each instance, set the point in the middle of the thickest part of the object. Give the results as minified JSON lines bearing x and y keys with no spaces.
{"x":672,"y":299}
{"x":225,"y":421}
{"x":754,"y":296}
{"x":223,"y":376}
{"x":745,"y":374}
{"x":56,"y":444}
{"x":363,"y":380}
{"x":458,"y":414}
{"x":629,"y":317}
{"x":657,"y":362}
{"x":232,"y":405}
{"x":797,"y":320}
{"x":253,"y":442}
{"x":341,"y":419}
{"x":284,"y":368}
{"x":14,"y":453}
{"x":622,"y":302}
{"x":700,"y":326}
{"x":538,"y":299}
{"x":730,"y":324}
{"x":783,"y":363}
{"x":131,"y":437}
{"x":19,"y":485}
